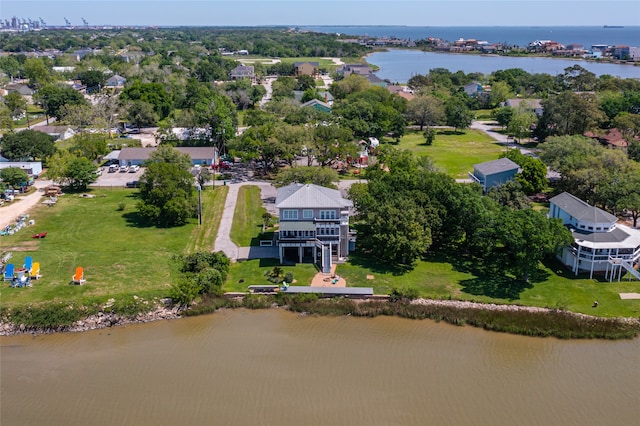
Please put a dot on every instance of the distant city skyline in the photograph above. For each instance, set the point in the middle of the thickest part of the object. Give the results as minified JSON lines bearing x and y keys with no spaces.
{"x":328,"y":12}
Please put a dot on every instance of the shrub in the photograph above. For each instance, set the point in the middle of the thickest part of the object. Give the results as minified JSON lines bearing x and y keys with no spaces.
{"x":184,"y":291}
{"x":45,"y":316}
{"x":121,"y":206}
{"x":403,"y":294}
{"x":258,"y":301}
{"x":288,"y":277}
{"x":210,"y":280}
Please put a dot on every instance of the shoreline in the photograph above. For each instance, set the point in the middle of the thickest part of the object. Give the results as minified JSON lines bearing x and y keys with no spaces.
{"x":103,"y":320}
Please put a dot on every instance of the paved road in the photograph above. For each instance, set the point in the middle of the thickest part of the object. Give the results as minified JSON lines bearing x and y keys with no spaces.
{"x":21,"y":205}
{"x":489,"y":129}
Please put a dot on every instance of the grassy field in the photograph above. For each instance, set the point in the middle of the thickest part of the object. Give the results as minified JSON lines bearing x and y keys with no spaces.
{"x":454,"y":153}
{"x":554,"y":287}
{"x":121,"y":256}
{"x":246,"y":228}
{"x":251,"y":272}
{"x":322,"y":63}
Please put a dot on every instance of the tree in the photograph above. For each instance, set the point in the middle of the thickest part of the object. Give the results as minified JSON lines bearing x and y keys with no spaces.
{"x":503,"y":115}
{"x":579,"y":79}
{"x":53,"y":98}
{"x":89,"y":145}
{"x":154,"y":94}
{"x":14,"y":176}
{"x":141,"y":114}
{"x":166,"y":154}
{"x":37,"y":72}
{"x":305,"y":82}
{"x":77,"y":115}
{"x":16,"y":103}
{"x":27,"y":145}
{"x":166,"y":194}
{"x":500,"y":92}
{"x":329,"y":144}
{"x":80,"y":173}
{"x":283,"y":87}
{"x":92,"y":78}
{"x":510,"y":195}
{"x":568,"y":113}
{"x":633,"y":151}
{"x":457,"y":114}
{"x":429,"y":136}
{"x":426,"y":110}
{"x":323,"y":176}
{"x":352,"y":83}
{"x":631,"y":204}
{"x":520,"y":124}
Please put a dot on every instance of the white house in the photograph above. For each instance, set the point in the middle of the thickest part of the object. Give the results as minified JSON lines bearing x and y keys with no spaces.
{"x":600,"y":243}
{"x":314,"y":224}
{"x":59,"y":133}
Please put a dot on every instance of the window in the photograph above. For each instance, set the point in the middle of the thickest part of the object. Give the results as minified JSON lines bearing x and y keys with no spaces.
{"x":290,"y":214}
{"x":307,"y":214}
{"x":327,"y":214}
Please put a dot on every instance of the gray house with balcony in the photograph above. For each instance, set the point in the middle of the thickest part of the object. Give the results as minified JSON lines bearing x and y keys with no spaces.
{"x":494,"y":173}
{"x":314,"y":224}
{"x":600,"y":243}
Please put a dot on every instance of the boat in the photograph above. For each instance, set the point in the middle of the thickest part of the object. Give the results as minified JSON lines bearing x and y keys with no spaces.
{"x":614,"y":26}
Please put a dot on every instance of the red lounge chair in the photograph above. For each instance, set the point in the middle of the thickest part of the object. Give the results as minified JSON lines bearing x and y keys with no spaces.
{"x":41,"y":235}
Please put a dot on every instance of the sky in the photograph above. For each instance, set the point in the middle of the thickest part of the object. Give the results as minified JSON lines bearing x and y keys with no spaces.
{"x":328,"y":12}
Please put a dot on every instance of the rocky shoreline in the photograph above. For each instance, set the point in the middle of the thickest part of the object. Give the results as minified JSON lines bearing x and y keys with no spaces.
{"x":94,"y":322}
{"x":161,"y":312}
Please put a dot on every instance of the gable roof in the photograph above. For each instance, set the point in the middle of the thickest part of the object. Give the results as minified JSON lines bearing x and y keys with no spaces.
{"x":243,"y":70}
{"x":195,"y":153}
{"x":316,"y":103}
{"x":531,"y":103}
{"x":297,"y":195}
{"x":581,"y":210}
{"x":116,"y":78}
{"x":297,"y":64}
{"x":496,"y":166}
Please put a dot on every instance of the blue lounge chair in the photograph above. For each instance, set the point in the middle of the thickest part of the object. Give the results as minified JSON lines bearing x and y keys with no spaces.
{"x":28,"y":263}
{"x":8,"y":272}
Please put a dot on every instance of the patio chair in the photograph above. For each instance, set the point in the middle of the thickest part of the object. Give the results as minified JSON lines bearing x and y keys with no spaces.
{"x":28,"y":263}
{"x":78,"y":277}
{"x":8,"y":272}
{"x":34,"y":272}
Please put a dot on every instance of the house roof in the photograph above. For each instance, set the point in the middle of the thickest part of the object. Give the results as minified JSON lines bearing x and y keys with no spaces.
{"x":616,"y":235}
{"x":582,"y":210}
{"x":56,"y":130}
{"x":496,"y":166}
{"x":116,"y":78}
{"x":611,"y":137}
{"x":196,"y":153}
{"x":314,"y":102}
{"x":297,"y":195}
{"x":297,"y":64}
{"x":532,"y":103}
{"x":243,"y":70}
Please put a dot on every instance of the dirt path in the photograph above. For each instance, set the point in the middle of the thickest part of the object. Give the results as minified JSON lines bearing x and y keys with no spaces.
{"x":22,"y":205}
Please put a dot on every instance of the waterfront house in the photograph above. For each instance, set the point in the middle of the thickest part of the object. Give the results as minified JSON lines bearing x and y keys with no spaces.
{"x":314,"y":224}
{"x":306,"y":68}
{"x":473,"y":89}
{"x":600,"y":242}
{"x":494,"y":173}
{"x":205,"y":156}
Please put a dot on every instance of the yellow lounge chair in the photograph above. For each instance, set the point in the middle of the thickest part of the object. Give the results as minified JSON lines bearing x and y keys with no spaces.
{"x":35,"y":271}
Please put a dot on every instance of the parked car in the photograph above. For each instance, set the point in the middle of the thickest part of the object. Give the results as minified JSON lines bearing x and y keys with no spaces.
{"x":134,"y":168}
{"x":132,"y":184}
{"x":124,"y":169}
{"x":113,"y":168}
{"x":98,"y":172}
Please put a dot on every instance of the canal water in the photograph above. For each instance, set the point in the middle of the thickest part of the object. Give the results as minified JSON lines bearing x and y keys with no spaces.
{"x":274,"y":367}
{"x":400,"y":65}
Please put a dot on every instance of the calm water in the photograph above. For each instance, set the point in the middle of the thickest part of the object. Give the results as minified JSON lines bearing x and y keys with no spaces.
{"x":277,"y":368}
{"x":400,"y":65}
{"x":519,"y":36}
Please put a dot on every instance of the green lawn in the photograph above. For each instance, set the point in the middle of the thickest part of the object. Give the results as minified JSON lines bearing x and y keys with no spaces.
{"x":322,"y":63}
{"x":484,"y":114}
{"x":555,"y":287}
{"x":251,"y":272}
{"x":454,"y":153}
{"x":121,"y":255}
{"x":246,"y":229}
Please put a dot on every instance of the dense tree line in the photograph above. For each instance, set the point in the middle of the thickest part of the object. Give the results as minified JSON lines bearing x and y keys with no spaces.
{"x":407,"y":210}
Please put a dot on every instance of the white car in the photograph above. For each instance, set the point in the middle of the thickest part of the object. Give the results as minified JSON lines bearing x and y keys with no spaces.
{"x":134,"y":168}
{"x":124,"y":169}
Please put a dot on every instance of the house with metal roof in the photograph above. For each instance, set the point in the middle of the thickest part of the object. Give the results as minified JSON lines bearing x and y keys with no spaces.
{"x":306,"y":68}
{"x":116,"y":81}
{"x":205,"y":156}
{"x":600,"y":243}
{"x":314,"y":224}
{"x":494,"y":173}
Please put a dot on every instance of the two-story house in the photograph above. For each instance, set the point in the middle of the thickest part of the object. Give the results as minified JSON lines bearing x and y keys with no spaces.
{"x":600,"y":243}
{"x":314,"y":224}
{"x":494,"y":173}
